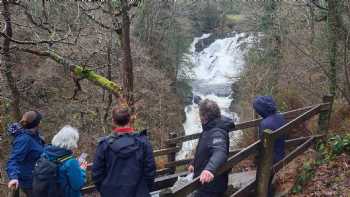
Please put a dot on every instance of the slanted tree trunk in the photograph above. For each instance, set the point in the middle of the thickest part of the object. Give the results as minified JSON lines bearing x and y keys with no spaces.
{"x":332,"y":44}
{"x":127,"y":70}
{"x":7,"y":64}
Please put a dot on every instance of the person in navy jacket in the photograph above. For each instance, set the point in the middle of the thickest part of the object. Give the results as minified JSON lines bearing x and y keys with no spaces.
{"x":265,"y":106}
{"x":27,"y":147}
{"x":212,"y":150}
{"x":71,"y":174}
{"x":124,"y":165}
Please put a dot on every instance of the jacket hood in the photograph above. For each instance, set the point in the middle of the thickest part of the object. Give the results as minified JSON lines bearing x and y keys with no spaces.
{"x":14,"y":129}
{"x":124,"y":144}
{"x":264,"y":106}
{"x":54,"y":152}
{"x":224,"y":123}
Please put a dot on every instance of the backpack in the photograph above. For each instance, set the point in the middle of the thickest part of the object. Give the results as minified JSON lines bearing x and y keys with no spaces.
{"x":133,"y":157}
{"x":45,"y":177}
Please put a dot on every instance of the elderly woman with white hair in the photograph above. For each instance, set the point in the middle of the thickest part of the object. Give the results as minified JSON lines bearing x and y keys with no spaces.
{"x":71,"y":174}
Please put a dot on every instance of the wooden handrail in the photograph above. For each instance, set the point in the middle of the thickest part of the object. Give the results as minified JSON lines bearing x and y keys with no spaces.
{"x":297,"y":151}
{"x":165,"y":151}
{"x":297,"y":121}
{"x":194,"y":184}
{"x":276,"y":167}
{"x":253,"y":123}
{"x":246,"y":190}
{"x":289,"y":143}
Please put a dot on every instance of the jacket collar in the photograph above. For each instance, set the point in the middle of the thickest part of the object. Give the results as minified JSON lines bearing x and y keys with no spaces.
{"x":210,"y":125}
{"x":123,"y":130}
{"x":33,"y":134}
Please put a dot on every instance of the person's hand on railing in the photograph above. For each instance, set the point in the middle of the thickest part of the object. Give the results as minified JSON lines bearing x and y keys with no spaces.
{"x":190,"y":168}
{"x":206,"y":177}
{"x":13,"y":184}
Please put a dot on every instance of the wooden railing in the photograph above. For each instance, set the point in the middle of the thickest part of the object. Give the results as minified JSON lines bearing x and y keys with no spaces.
{"x":290,"y":115}
{"x":263,"y":147}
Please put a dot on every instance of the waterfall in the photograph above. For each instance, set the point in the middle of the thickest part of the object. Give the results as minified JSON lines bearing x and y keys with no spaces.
{"x":212,"y":74}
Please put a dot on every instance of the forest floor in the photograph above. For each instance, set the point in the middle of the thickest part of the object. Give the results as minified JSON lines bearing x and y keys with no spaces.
{"x":302,"y":177}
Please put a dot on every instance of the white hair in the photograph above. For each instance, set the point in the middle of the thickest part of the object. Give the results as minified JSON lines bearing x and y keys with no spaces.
{"x":67,"y":138}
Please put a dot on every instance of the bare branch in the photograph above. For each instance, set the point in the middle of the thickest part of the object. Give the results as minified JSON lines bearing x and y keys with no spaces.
{"x":50,"y":42}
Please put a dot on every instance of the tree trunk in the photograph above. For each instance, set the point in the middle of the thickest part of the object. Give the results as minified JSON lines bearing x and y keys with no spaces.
{"x":272,"y":29}
{"x":346,"y":69}
{"x":332,"y":44}
{"x":127,"y":70}
{"x":7,"y":64}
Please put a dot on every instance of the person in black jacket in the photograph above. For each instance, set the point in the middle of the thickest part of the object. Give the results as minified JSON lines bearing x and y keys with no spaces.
{"x":124,"y":165}
{"x":212,"y":150}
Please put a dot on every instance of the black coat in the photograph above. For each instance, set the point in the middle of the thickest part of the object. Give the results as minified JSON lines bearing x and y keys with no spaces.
{"x":124,"y":166}
{"x":212,"y":152}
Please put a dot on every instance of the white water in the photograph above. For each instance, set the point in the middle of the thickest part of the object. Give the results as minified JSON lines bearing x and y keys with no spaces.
{"x":211,"y":77}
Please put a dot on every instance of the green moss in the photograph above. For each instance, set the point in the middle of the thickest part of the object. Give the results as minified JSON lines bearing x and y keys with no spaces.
{"x":97,"y":79}
{"x":234,"y":18}
{"x":88,"y":74}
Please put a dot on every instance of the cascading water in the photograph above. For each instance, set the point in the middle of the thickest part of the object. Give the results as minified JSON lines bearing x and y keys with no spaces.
{"x":211,"y":77}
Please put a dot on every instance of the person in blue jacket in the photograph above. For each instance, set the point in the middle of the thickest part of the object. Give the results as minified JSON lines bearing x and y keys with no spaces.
{"x":27,"y":147}
{"x":124,"y":165}
{"x":71,"y":174}
{"x":265,"y":106}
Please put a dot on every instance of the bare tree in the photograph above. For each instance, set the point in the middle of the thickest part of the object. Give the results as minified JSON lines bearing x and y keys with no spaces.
{"x":6,"y":62}
{"x":127,"y":68}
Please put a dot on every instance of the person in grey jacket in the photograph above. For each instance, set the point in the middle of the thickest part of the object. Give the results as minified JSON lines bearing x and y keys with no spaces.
{"x":212,"y":150}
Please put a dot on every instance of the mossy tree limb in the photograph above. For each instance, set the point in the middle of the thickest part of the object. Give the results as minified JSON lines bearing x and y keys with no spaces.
{"x":97,"y":79}
{"x":80,"y":71}
{"x":88,"y":74}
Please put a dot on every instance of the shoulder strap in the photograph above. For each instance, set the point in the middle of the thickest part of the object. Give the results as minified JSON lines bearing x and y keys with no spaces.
{"x":64,"y":158}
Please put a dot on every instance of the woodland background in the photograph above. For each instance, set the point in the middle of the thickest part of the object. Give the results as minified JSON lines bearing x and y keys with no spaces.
{"x":53,"y":54}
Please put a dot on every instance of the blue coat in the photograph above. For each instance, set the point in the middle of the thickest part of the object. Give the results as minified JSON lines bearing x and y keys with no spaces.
{"x":265,"y":106}
{"x":26,"y":150}
{"x":124,"y":166}
{"x":71,"y":176}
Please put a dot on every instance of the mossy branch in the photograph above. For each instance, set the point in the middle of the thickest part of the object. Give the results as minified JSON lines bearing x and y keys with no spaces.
{"x":80,"y":71}
{"x":88,"y":74}
{"x":97,"y":79}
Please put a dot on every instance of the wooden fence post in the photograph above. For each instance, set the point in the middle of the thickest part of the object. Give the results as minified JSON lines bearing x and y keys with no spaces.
{"x":325,"y":116}
{"x":172,"y":156}
{"x":266,"y":154}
